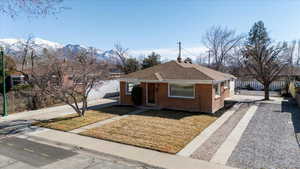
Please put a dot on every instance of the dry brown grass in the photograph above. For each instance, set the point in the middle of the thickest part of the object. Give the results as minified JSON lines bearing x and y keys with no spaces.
{"x":73,"y":121}
{"x":166,"y":131}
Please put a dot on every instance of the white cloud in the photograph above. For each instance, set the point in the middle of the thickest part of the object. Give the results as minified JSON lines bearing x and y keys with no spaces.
{"x":171,"y":53}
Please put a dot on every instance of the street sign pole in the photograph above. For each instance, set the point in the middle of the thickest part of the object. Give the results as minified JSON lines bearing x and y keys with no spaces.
{"x":3,"y":84}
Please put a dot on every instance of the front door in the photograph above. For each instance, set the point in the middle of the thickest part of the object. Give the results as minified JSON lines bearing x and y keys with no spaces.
{"x":151,"y":93}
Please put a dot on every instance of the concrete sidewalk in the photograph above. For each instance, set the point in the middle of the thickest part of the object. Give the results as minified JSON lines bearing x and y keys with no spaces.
{"x":52,"y":112}
{"x":101,"y":123}
{"x":147,"y":156}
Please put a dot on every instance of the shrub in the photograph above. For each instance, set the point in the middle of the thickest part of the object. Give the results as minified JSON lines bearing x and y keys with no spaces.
{"x":248,"y":87}
{"x":136,"y":95}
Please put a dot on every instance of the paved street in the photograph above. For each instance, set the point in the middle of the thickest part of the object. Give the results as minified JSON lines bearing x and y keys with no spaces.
{"x":18,"y":153}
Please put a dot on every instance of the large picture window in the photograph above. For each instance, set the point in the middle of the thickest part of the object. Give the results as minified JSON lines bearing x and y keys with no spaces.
{"x":182,"y":90}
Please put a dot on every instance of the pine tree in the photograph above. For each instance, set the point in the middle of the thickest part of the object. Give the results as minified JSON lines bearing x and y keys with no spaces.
{"x":152,"y":60}
{"x":258,"y":34}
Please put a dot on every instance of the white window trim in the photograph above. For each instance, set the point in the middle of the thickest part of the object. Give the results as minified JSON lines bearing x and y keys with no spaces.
{"x":219,"y":91}
{"x":126,"y":87}
{"x":227,"y":84}
{"x":184,"y":97}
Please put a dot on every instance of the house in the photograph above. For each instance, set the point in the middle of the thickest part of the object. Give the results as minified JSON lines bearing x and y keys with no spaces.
{"x":179,"y":85}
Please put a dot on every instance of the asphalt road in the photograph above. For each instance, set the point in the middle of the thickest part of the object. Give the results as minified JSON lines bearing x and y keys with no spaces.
{"x":32,"y":153}
{"x":16,"y":153}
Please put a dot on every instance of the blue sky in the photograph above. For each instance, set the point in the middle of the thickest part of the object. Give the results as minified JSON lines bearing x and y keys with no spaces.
{"x":143,"y":25}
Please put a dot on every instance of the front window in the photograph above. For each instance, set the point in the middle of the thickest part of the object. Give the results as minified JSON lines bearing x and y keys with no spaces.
{"x":181,"y":90}
{"x":217,"y":90}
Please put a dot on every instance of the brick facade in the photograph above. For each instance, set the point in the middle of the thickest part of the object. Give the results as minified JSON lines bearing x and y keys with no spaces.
{"x":204,"y":100}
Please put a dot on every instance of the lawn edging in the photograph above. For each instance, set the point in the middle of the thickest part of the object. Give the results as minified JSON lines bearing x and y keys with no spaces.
{"x":191,"y":147}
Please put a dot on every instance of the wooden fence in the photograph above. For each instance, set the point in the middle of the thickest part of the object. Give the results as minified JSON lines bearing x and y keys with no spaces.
{"x":255,"y":85}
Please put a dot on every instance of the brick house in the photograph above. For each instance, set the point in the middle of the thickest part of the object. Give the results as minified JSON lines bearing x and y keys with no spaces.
{"x":179,"y":85}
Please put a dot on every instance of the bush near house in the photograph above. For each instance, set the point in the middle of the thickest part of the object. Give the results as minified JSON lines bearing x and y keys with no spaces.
{"x":136,"y":94}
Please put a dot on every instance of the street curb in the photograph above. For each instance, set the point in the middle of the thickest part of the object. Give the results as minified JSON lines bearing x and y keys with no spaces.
{"x":73,"y":147}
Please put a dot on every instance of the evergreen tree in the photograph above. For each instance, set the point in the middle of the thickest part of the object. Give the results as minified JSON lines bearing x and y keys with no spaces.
{"x":152,"y":60}
{"x":258,"y":34}
{"x":131,"y":65}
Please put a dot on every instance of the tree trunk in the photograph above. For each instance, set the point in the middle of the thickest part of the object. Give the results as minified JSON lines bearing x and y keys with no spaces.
{"x":84,"y":106}
{"x":267,"y":94}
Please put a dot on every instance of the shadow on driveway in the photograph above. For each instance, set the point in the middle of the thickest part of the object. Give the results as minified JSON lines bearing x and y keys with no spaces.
{"x":291,"y":106}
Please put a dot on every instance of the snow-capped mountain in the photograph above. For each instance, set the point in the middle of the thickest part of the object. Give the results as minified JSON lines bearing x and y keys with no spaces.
{"x":16,"y":46}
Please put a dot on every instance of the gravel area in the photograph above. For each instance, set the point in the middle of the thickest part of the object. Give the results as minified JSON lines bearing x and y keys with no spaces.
{"x":269,"y":140}
{"x":295,"y":111}
{"x":212,"y":144}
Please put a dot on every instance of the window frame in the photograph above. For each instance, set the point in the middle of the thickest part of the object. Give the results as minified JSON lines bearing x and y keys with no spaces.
{"x":227,"y":84}
{"x":184,"y":97}
{"x":219,"y":90}
{"x":126,"y":88}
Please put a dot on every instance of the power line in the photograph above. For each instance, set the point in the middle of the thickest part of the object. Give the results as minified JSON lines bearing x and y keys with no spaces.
{"x":190,"y":52}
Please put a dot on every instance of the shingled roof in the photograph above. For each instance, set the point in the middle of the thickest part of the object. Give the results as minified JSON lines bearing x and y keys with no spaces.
{"x":175,"y":70}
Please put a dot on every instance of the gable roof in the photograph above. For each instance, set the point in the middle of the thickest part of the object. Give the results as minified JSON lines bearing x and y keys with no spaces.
{"x":174,"y":70}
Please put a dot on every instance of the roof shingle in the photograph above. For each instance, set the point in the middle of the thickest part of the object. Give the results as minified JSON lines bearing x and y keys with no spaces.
{"x":174,"y":70}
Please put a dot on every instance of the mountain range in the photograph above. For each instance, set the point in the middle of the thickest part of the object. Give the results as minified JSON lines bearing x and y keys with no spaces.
{"x":15,"y":46}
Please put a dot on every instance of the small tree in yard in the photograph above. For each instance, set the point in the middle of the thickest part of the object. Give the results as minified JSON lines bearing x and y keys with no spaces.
{"x":68,"y":80}
{"x":263,"y":60}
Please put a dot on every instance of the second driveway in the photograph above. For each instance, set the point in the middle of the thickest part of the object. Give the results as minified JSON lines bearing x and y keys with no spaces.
{"x":269,"y":140}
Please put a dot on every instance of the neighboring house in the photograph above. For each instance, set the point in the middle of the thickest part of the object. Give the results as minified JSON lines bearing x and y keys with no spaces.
{"x":179,"y":85}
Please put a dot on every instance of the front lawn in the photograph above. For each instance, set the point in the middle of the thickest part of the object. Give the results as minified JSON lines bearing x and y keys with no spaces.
{"x":73,"y":121}
{"x":162,"y":130}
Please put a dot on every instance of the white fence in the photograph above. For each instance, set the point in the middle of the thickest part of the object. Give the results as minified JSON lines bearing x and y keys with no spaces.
{"x":255,"y":85}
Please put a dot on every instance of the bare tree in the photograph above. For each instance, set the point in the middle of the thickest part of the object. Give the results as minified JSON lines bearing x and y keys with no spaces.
{"x":263,"y":60}
{"x":68,"y":80}
{"x":220,"y":43}
{"x":13,"y":8}
{"x":125,"y":63}
{"x":298,"y":53}
{"x":120,"y":53}
{"x":265,"y":63}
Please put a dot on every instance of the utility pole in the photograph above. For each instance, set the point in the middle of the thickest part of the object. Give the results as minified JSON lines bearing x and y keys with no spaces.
{"x":179,"y":52}
{"x":3,"y":83}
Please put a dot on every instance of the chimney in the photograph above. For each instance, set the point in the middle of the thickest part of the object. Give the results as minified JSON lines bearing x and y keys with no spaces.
{"x":179,"y":52}
{"x":188,"y":60}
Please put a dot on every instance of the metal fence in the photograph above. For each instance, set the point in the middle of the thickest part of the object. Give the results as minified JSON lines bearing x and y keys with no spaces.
{"x":255,"y":85}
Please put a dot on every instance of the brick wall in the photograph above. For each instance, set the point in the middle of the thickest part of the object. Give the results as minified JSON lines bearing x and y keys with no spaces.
{"x":218,"y":102}
{"x":124,"y":99}
{"x":204,"y":100}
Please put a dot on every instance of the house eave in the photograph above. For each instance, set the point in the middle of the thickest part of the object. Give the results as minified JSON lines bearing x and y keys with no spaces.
{"x":173,"y":81}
